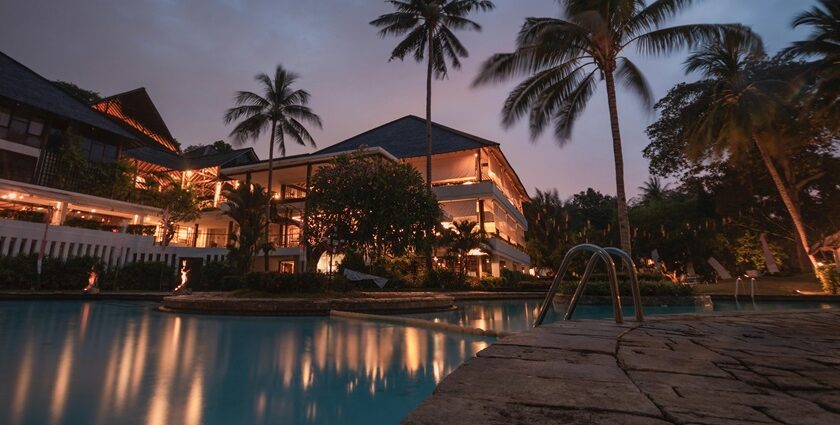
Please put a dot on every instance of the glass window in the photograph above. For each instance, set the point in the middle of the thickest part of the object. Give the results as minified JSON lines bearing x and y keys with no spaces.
{"x":36,"y":127}
{"x":17,"y":129}
{"x":5,"y":117}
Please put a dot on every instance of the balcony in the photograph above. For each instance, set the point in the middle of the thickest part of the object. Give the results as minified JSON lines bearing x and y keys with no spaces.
{"x":485,"y":189}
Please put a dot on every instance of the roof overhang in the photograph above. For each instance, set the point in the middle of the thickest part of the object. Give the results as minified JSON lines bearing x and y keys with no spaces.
{"x":309,"y":159}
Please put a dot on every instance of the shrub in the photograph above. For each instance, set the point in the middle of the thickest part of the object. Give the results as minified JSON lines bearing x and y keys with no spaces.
{"x":445,"y":279}
{"x":829,"y":277}
{"x":214,"y":277}
{"x":490,"y":282}
{"x":291,"y":283}
{"x":17,"y":272}
{"x":140,"y":229}
{"x":24,"y":215}
{"x":150,"y":276}
{"x":69,"y":274}
{"x":83,"y":223}
{"x":511,"y":277}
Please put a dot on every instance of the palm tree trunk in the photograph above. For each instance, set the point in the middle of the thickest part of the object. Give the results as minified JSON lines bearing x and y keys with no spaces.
{"x":621,"y":197}
{"x":268,"y":190}
{"x":793,"y":209}
{"x":429,"y":246}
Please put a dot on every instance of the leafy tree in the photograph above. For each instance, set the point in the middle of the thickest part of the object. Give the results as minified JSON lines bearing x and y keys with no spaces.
{"x":84,"y":95}
{"x":219,"y":146}
{"x":372,"y":205}
{"x":178,"y":205}
{"x":547,"y":222}
{"x":428,"y":28}
{"x":564,"y":58}
{"x":746,"y":107}
{"x":244,"y":206}
{"x":462,"y":238}
{"x":653,"y":189}
{"x":823,"y":44}
{"x":281,"y":108}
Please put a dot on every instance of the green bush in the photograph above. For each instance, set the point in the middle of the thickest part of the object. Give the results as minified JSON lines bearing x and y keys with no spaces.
{"x":140,"y":229}
{"x":445,"y":279}
{"x":214,"y":277}
{"x":20,"y":272}
{"x":829,"y":277}
{"x":490,"y":282}
{"x":293,"y":283}
{"x":511,"y":277}
{"x":146,"y":276}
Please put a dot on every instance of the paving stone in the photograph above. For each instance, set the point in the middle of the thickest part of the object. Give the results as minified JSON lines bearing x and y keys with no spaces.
{"x":707,"y":369}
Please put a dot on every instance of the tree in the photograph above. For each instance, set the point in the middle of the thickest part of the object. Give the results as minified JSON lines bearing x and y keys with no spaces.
{"x":178,"y":205}
{"x":653,"y":189}
{"x":84,"y":95}
{"x":462,"y":238}
{"x":375,"y":206}
{"x":428,"y":26}
{"x":744,"y":107}
{"x":547,"y":224}
{"x":824,"y":44}
{"x":279,"y":107}
{"x":564,"y":58}
{"x":244,"y":206}
{"x":219,"y":146}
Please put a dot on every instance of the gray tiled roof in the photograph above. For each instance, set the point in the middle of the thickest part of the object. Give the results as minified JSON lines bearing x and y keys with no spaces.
{"x":406,"y":137}
{"x":177,"y":162}
{"x":20,"y":84}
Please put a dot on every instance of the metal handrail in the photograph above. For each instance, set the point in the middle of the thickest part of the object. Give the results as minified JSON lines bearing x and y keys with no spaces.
{"x":634,"y":280}
{"x":598,"y":253}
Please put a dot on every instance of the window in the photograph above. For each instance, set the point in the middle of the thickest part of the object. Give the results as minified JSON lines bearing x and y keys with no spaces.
{"x":36,"y":127}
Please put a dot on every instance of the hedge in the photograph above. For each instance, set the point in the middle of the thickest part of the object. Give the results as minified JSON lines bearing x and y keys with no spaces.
{"x":291,"y":283}
{"x":20,"y":272}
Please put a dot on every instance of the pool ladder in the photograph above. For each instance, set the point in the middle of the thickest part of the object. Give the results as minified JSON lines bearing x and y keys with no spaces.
{"x":605,"y":255}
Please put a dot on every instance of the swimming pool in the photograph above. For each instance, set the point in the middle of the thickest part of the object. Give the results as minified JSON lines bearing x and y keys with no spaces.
{"x":516,"y":315}
{"x":65,"y":362}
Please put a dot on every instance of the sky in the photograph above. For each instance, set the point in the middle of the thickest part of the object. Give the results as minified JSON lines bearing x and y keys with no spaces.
{"x":193,"y":55}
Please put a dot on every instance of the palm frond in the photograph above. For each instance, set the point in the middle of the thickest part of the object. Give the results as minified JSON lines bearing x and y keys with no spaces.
{"x":632,"y":79}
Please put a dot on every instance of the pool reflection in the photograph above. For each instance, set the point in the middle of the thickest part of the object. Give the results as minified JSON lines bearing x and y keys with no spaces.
{"x":104,"y":363}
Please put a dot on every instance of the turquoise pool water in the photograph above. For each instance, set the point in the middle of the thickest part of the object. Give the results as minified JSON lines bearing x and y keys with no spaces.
{"x":126,"y":363}
{"x":66,"y":362}
{"x":518,"y":315}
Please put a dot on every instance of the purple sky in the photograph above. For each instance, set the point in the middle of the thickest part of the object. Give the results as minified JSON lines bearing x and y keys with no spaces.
{"x":192,"y":55}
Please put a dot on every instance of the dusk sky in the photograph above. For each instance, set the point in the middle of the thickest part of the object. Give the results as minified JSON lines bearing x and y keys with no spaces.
{"x":192,"y":55}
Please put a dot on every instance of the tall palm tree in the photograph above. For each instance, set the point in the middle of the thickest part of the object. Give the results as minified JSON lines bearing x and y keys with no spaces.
{"x":462,"y":238}
{"x":427,"y":26}
{"x":564,"y":59}
{"x":824,"y":44}
{"x":741,"y":110}
{"x":281,"y":108}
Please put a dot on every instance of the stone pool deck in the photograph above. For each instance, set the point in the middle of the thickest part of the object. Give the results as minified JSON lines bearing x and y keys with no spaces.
{"x":751,"y":368}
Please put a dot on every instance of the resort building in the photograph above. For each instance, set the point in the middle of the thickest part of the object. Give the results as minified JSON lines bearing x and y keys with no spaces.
{"x":471,"y":177}
{"x":92,"y":210}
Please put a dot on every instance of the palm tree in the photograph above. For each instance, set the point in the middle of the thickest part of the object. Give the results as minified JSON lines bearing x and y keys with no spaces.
{"x":824,"y":44}
{"x":740,"y":110}
{"x":653,"y":189}
{"x":428,"y":26}
{"x":565,"y":58}
{"x":462,"y":238}
{"x":244,"y":205}
{"x":280,"y":107}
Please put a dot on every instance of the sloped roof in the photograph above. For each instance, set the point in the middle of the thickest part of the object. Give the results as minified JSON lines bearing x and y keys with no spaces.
{"x":174,"y":161}
{"x":406,"y":137}
{"x":23,"y":85}
{"x":136,"y":109}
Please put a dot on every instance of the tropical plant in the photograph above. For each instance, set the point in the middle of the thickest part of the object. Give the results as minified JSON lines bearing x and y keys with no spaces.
{"x":178,"y":205}
{"x":372,"y":205}
{"x":742,"y":107}
{"x":428,"y":28}
{"x":653,"y":189}
{"x":281,"y":108}
{"x":564,"y":58}
{"x":244,"y":206}
{"x":824,"y":44}
{"x":462,"y":238}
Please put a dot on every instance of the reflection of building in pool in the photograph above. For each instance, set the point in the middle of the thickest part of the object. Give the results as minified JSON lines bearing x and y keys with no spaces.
{"x":39,"y":122}
{"x":471,"y":177}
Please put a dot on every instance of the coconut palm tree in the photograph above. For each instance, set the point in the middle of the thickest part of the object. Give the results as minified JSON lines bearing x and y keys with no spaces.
{"x":428,"y":28}
{"x":824,"y":44}
{"x":564,"y":59}
{"x":281,"y":108}
{"x":743,"y":110}
{"x":462,"y":238}
{"x":653,"y":189}
{"x":244,"y":205}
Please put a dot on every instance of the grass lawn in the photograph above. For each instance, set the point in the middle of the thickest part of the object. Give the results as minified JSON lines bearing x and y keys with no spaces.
{"x":767,"y":285}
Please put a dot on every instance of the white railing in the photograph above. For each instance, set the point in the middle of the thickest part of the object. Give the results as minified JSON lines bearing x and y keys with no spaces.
{"x":113,"y":249}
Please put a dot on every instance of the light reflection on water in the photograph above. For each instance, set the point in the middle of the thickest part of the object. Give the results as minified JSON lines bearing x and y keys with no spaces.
{"x":126,"y":363}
